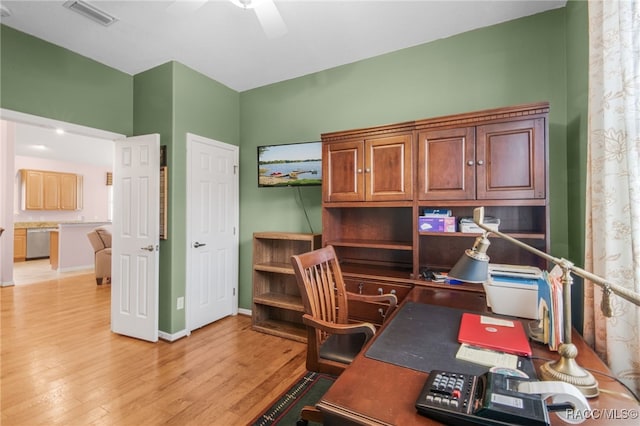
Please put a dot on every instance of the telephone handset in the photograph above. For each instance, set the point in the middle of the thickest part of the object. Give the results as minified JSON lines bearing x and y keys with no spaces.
{"x":489,"y":399}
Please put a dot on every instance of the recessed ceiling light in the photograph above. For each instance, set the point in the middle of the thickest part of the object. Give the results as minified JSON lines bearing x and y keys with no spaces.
{"x":40,"y":147}
{"x":60,"y":131}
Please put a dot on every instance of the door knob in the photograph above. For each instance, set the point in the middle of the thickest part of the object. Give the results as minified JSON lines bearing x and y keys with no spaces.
{"x":197,"y":244}
{"x":147,"y":248}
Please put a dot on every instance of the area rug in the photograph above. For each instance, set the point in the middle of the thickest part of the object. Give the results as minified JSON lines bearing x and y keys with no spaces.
{"x":285,"y":410}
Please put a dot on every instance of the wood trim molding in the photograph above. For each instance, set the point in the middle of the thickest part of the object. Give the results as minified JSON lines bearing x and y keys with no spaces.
{"x":468,"y":118}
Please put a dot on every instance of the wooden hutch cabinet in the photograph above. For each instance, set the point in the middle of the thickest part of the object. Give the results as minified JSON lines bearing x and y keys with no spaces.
{"x":372,"y":199}
{"x":377,"y":167}
{"x":492,"y":162}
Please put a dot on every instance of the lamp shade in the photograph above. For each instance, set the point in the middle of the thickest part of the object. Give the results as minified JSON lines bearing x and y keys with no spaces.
{"x":470,"y":269}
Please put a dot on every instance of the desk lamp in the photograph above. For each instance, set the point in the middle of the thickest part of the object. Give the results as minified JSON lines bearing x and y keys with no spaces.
{"x":474,"y":265}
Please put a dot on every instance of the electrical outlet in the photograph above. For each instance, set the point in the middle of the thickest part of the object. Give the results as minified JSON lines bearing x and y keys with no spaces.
{"x":180,"y":303}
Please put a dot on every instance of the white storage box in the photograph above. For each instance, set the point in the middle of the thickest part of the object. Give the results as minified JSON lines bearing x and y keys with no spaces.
{"x":513,"y":296}
{"x":467,"y":225}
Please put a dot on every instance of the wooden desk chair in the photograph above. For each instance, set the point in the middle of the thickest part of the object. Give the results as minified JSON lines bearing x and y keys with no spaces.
{"x":332,"y":342}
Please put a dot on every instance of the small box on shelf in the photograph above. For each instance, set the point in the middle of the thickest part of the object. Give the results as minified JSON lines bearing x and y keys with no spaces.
{"x":467,"y":225}
{"x":437,"y":224}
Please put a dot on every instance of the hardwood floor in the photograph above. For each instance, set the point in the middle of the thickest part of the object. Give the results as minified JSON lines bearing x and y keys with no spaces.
{"x":37,"y":271}
{"x":61,"y":364}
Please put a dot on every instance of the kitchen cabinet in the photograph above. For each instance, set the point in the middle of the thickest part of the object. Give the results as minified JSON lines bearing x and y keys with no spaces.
{"x":376,"y":168}
{"x":33,"y":189}
{"x":19,"y":245}
{"x":47,"y":190}
{"x":54,"y":258}
{"x":69,"y":185}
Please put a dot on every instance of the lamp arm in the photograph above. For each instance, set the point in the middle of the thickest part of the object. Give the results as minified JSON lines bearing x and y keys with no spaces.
{"x":565,"y":264}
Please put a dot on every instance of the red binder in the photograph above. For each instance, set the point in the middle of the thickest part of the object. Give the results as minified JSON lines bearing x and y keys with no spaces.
{"x":491,"y":334}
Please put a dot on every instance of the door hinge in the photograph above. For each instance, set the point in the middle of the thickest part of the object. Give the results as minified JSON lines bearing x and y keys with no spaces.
{"x":235,"y":169}
{"x":234,"y":291}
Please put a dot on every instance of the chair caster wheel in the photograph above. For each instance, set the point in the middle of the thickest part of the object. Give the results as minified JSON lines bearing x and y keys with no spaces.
{"x":302,"y":423}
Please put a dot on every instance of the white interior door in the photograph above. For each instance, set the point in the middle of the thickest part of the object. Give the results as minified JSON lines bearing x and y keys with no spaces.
{"x":136,"y":233}
{"x":212,"y":234}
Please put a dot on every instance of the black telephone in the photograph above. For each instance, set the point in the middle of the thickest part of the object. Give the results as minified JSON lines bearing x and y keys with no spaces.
{"x":489,"y":399}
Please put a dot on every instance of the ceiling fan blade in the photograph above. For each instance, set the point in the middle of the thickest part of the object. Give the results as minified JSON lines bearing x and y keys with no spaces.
{"x":270,"y":18}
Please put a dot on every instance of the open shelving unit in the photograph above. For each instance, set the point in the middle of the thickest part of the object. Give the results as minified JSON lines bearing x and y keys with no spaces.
{"x":277,"y":305}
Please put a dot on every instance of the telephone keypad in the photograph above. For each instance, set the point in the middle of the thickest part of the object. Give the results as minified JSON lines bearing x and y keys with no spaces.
{"x":448,"y":390}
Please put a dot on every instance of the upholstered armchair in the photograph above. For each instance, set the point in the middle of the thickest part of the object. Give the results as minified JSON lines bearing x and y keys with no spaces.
{"x":100,"y":239}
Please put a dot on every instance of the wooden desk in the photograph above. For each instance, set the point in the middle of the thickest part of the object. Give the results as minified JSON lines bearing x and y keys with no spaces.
{"x":371,"y":392}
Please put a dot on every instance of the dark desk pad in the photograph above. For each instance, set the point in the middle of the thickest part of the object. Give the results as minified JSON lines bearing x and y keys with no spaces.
{"x":424,"y":338}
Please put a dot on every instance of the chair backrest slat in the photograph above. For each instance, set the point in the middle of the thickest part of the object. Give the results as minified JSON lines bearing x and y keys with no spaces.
{"x":321,"y":285}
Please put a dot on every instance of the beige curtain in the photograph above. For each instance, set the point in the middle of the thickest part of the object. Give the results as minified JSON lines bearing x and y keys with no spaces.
{"x":613,"y":182}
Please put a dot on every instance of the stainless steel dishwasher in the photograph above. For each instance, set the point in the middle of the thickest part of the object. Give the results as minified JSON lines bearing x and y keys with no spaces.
{"x":38,"y":243}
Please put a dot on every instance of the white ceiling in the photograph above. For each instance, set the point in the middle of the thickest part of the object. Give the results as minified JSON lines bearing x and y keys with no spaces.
{"x":44,"y":142}
{"x":227,"y":43}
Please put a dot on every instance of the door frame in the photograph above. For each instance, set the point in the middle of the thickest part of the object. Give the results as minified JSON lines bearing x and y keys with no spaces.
{"x":6,"y":242}
{"x":190,"y":138}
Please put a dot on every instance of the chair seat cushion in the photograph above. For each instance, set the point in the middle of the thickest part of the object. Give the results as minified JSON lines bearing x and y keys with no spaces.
{"x":342,"y":347}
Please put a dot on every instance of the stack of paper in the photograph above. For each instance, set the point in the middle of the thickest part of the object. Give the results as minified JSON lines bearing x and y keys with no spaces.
{"x":551,"y":308}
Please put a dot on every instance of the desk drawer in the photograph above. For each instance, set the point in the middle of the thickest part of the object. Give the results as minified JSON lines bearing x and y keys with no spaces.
{"x":372,"y":312}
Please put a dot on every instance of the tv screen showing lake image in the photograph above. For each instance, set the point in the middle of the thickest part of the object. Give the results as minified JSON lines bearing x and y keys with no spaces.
{"x":296,"y":164}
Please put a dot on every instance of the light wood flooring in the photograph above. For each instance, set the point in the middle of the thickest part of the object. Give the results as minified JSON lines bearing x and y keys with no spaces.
{"x":39,"y":270}
{"x":61,"y":364}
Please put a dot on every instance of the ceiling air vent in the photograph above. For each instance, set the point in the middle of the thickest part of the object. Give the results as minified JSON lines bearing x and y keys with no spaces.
{"x":90,"y":11}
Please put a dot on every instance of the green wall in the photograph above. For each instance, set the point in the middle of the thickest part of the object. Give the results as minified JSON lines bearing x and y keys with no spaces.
{"x":153,"y":112}
{"x":172,"y":99}
{"x":577,"y":114}
{"x":39,"y":78}
{"x":516,"y":62}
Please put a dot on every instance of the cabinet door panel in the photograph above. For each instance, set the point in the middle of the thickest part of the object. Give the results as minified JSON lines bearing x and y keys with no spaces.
{"x":388,"y":169}
{"x":33,"y":188}
{"x":51,"y":191}
{"x":19,"y":245}
{"x":511,"y":160}
{"x":68,"y":191}
{"x":343,"y":171}
{"x":446,"y":164}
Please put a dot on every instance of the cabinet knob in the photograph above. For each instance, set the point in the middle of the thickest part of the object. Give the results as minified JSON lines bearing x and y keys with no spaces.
{"x":480,"y":162}
{"x":359,"y":170}
{"x":367,"y":170}
{"x":470,"y":163}
{"x":360,"y":287}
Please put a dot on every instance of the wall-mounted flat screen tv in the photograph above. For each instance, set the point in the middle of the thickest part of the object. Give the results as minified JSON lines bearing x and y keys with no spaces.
{"x":293,"y":164}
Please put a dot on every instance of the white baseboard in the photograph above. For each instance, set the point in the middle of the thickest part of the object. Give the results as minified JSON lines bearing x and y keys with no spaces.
{"x":172,"y":337}
{"x":89,"y":268}
{"x":7,"y":284}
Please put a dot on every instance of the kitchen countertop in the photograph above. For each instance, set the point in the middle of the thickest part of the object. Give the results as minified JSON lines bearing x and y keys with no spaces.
{"x":30,"y":225}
